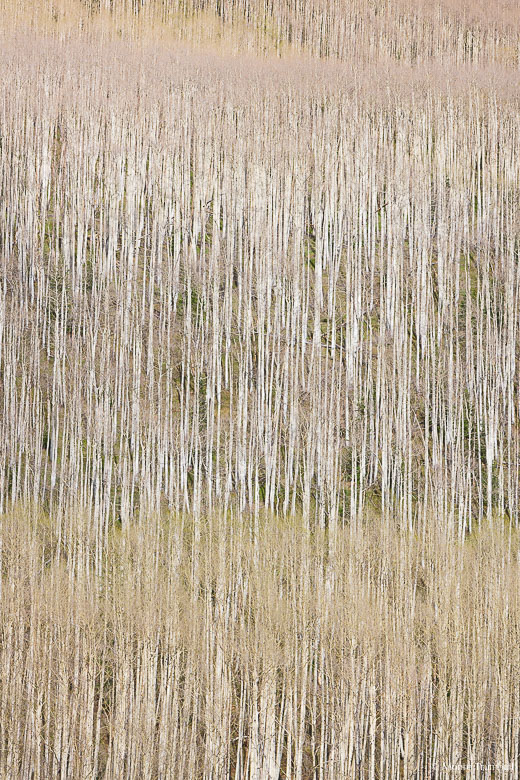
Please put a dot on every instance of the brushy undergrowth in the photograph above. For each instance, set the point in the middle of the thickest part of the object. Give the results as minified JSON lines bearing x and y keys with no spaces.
{"x":220,"y":649}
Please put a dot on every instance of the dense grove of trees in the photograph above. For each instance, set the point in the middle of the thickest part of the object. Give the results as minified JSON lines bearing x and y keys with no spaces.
{"x":259,"y":394}
{"x":292,"y":287}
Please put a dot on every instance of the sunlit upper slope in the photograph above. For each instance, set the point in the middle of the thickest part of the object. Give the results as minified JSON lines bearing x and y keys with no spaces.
{"x":408,"y":31}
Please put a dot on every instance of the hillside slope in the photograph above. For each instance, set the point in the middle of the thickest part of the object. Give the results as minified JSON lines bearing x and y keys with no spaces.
{"x":259,"y":390}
